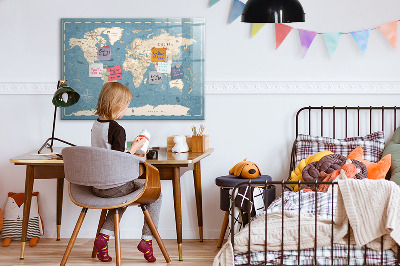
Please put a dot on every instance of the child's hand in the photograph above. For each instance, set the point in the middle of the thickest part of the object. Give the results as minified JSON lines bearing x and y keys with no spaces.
{"x":142,"y":155}
{"x":137,"y":144}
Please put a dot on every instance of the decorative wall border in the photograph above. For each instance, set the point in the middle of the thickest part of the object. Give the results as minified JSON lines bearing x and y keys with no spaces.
{"x":251,"y":87}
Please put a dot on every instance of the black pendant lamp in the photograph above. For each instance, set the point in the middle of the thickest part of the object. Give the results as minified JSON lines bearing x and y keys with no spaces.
{"x":273,"y":11}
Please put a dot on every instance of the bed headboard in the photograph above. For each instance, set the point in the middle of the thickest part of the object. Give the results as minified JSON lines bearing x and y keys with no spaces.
{"x":344,"y":121}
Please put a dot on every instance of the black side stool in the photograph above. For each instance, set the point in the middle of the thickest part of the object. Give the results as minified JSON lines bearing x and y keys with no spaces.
{"x":226,"y":183}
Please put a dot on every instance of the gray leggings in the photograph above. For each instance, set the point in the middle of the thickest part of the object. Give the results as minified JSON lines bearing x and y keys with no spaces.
{"x":154,"y":208}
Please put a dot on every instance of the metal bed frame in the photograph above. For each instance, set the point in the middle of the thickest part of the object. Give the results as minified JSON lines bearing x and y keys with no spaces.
{"x":284,"y":184}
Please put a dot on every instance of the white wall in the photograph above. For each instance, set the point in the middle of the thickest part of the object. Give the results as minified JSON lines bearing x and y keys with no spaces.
{"x":258,"y":127}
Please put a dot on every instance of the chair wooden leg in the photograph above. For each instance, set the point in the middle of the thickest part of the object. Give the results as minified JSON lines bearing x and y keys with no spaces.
{"x":73,"y":237}
{"x":117,"y":238}
{"x":101,"y":222}
{"x":223,"y":229}
{"x":154,"y":230}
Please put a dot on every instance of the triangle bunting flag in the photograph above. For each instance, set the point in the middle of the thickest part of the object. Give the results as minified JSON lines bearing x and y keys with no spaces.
{"x":361,"y":38}
{"x":237,"y":9}
{"x":256,"y":28}
{"x":306,"y":39}
{"x":281,"y":31}
{"x":213,"y":2}
{"x":332,"y":41}
{"x":389,"y":30}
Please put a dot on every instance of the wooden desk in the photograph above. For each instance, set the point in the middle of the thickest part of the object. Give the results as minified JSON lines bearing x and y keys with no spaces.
{"x":169,"y":165}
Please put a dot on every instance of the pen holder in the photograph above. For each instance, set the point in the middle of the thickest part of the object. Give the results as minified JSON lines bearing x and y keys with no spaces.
{"x":200,"y":143}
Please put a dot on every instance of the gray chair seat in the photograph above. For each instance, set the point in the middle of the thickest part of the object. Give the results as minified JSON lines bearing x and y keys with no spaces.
{"x":83,"y":196}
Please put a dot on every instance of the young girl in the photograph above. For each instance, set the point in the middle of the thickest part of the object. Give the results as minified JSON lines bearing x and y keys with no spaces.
{"x":113,"y":102}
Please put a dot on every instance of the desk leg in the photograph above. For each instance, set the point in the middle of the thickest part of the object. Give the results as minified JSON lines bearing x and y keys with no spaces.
{"x":199,"y":204}
{"x":176,"y":182}
{"x":27,"y":206}
{"x":60,"y":190}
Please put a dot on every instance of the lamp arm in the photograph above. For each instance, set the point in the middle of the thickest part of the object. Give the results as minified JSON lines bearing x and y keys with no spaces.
{"x":54,"y":126}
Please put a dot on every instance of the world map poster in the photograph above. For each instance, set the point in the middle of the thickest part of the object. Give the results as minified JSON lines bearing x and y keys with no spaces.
{"x":160,"y":60}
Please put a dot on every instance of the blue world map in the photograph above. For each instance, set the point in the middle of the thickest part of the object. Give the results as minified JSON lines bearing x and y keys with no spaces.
{"x":166,"y":84}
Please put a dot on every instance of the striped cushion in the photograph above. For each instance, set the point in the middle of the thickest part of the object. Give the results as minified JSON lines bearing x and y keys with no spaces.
{"x":13,"y":228}
{"x":372,"y":145}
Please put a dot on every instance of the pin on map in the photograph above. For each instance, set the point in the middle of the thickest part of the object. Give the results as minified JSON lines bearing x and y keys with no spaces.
{"x":155,"y":78}
{"x":177,"y":72}
{"x":115,"y":73}
{"x":158,"y":54}
{"x":164,"y":67}
{"x":96,"y":70}
{"x":104,"y":53}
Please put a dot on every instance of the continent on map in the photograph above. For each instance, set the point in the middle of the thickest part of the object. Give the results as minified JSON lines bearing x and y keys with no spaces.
{"x":147,"y":110}
{"x":114,"y":34}
{"x":93,"y":39}
{"x":138,"y":56}
{"x":178,"y":83}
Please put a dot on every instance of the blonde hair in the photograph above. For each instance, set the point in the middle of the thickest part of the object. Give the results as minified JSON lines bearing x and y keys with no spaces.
{"x":112,"y":99}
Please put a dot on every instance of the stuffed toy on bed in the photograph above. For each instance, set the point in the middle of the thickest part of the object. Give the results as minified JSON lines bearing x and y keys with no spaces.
{"x":348,"y":170}
{"x":13,"y":215}
{"x":317,"y":171}
{"x":245,"y":169}
{"x":296,"y":174}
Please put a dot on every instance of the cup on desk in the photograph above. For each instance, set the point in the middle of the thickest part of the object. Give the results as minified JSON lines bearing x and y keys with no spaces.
{"x":152,"y":155}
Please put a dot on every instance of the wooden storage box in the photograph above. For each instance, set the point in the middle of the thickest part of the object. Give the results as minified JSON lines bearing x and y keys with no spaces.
{"x":171,"y":143}
{"x":200,"y":143}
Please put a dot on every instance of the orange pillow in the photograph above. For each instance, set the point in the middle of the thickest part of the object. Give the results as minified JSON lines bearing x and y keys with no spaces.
{"x":375,"y":170}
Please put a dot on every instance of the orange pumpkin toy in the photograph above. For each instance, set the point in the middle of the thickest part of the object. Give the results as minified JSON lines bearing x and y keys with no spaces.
{"x":245,"y":169}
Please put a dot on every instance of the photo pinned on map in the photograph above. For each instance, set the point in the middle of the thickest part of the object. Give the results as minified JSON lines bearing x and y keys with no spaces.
{"x":164,"y":67}
{"x":155,"y":78}
{"x":104,"y":53}
{"x":96,"y":70}
{"x":158,"y":54}
{"x":115,"y":73}
{"x":177,"y":72}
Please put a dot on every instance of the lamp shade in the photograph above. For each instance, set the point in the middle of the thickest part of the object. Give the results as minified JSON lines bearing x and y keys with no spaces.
{"x":65,"y":96}
{"x":273,"y":11}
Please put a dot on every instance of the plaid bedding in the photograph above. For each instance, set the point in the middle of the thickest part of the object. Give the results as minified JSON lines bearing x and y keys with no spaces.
{"x":322,"y":207}
{"x":372,"y":145}
{"x":324,"y":257}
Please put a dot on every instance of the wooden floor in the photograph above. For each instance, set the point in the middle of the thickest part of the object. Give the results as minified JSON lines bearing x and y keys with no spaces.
{"x":50,"y":252}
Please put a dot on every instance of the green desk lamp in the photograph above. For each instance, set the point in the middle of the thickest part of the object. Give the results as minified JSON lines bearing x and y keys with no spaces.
{"x":64,"y":96}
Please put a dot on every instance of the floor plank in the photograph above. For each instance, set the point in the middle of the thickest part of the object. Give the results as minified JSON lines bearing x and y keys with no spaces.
{"x":49,"y":252}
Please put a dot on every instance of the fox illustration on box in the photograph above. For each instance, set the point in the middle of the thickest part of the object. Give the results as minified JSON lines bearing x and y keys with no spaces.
{"x":13,"y":215}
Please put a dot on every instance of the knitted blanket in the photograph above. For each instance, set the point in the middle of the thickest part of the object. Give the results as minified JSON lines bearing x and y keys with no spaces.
{"x":274,"y":235}
{"x":371,"y":207}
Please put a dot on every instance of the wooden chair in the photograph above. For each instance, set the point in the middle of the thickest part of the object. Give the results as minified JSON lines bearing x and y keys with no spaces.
{"x":85,"y":167}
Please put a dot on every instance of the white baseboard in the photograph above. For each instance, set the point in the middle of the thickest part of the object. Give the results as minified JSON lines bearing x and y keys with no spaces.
{"x":250,"y":87}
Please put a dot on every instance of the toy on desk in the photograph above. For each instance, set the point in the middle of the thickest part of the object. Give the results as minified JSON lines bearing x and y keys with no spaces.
{"x":144,"y":134}
{"x":245,"y":169}
{"x":180,"y":144}
{"x":13,"y":215}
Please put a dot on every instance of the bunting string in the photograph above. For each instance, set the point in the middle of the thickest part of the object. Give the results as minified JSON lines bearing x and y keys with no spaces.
{"x":361,"y":37}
